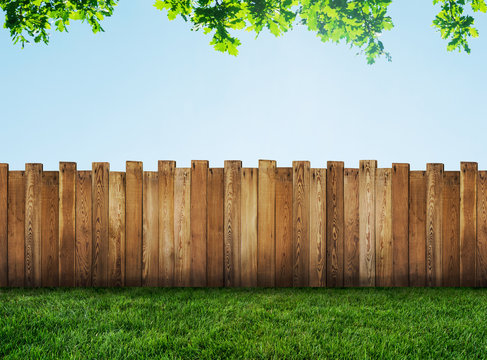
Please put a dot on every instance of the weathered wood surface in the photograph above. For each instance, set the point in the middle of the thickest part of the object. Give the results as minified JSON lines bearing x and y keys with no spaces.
{"x":50,"y":252}
{"x":301,"y":223}
{"x":434,"y":239}
{"x":417,"y":228}
{"x":468,"y":222}
{"x":166,"y":173}
{"x":367,"y":174}
{"x":33,"y":211}
{"x":284,"y":227}
{"x":67,"y":223}
{"x":16,"y":228}
{"x":317,"y":229}
{"x":116,"y":229}
{"x":248,"y":251}
{"x":100,"y":223}
{"x":214,"y":258}
{"x":232,"y":217}
{"x":400,"y":223}
{"x":84,"y":229}
{"x":451,"y":228}
{"x":335,"y":215}
{"x":150,"y":229}
{"x":182,"y":229}
{"x":351,"y":260}
{"x":3,"y":225}
{"x":383,"y":227}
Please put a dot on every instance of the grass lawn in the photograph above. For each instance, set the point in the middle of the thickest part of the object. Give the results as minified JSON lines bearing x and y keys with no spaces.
{"x":243,"y":323}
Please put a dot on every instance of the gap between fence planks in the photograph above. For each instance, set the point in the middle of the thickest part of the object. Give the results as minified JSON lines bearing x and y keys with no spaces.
{"x":243,"y":227}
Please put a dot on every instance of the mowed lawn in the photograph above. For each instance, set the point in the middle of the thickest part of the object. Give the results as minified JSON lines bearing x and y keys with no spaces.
{"x":243,"y":323}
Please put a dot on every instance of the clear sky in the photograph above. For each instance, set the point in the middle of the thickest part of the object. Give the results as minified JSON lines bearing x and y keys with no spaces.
{"x":149,"y":88}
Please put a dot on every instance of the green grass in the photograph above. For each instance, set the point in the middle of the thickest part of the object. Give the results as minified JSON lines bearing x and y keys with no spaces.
{"x":243,"y":323}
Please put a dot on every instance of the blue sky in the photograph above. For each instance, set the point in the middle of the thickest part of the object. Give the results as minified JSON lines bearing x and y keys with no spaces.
{"x":149,"y":88}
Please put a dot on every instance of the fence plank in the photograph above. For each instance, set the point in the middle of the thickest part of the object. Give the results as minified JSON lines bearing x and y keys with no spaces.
{"x":50,"y":229}
{"x":400,"y":229}
{"x":16,"y":228}
{"x":3,"y":225}
{"x":67,"y":223}
{"x":335,"y":223}
{"x":182,"y":229}
{"x":352,"y":228}
{"x":199,"y":183}
{"x":434,"y":178}
{"x":284,"y":227}
{"x":481,"y":258}
{"x":301,"y":223}
{"x":383,"y":227}
{"x":451,"y":228}
{"x":367,"y":174}
{"x":84,"y":229}
{"x":214,"y":260}
{"x":166,"y":170}
{"x":266,"y":215}
{"x":232,"y":201}
{"x":248,"y":225}
{"x":417,"y":228}
{"x":116,"y":226}
{"x":133,"y":223}
{"x":150,"y":233}
{"x":468,"y":222}
{"x":317,"y":248}
{"x":99,"y":187}
{"x":33,"y":189}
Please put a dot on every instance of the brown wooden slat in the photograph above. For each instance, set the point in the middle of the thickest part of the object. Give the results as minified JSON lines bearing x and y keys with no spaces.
{"x":84,"y":229}
{"x":116,"y":229}
{"x":266,"y":219}
{"x":133,"y":223}
{"x":248,"y":225}
{"x":434,"y":178}
{"x":481,"y":258}
{"x":33,"y":204}
{"x":383,"y":227}
{"x":166,"y":170}
{"x":451,"y":228}
{"x":352,"y":228}
{"x":50,"y":229}
{"x":3,"y":225}
{"x":214,"y":260}
{"x":182,"y":229}
{"x":317,"y":229}
{"x":100,"y":223}
{"x":16,"y":228}
{"x":150,"y":233}
{"x":67,"y":223}
{"x":232,"y":203}
{"x":284,"y":227}
{"x":400,"y":221}
{"x":199,"y":183}
{"x":468,"y":222}
{"x":417,"y":228}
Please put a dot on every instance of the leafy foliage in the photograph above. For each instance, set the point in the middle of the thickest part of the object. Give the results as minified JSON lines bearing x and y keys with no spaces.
{"x":358,"y":23}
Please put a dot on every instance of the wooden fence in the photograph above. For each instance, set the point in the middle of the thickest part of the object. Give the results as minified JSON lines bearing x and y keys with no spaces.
{"x":235,"y":226}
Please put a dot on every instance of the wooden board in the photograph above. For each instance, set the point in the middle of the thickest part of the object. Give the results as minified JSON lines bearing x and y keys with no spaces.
{"x":182,"y":230}
{"x":33,"y":204}
{"x":99,"y":187}
{"x":417,"y":228}
{"x":266,"y":215}
{"x":468,"y":222}
{"x":301,"y":223}
{"x":451,"y":228}
{"x":133,"y":223}
{"x":352,"y":228}
{"x":166,"y":170}
{"x":248,"y":223}
{"x":317,"y":228}
{"x":16,"y":228}
{"x":116,"y":229}
{"x":335,"y":229}
{"x":481,"y":251}
{"x":383,"y":227}
{"x":84,"y":229}
{"x":199,"y":186}
{"x":214,"y":260}
{"x":3,"y":225}
{"x":400,"y":228}
{"x":50,"y":229}
{"x":367,"y":172}
{"x":284,"y":227}
{"x":232,"y":203}
{"x":434,"y":208}
{"x":67,"y":223}
{"x":150,"y":234}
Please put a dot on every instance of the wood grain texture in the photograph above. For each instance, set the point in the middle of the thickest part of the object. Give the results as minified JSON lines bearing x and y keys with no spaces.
{"x":417,"y":228}
{"x":133,"y":223}
{"x":352,"y":229}
{"x":16,"y":228}
{"x":266,"y":232}
{"x":50,"y":229}
{"x":481,"y":251}
{"x":367,"y":172}
{"x":301,"y":223}
{"x":214,"y":260}
{"x":116,"y":229}
{"x":182,"y":229}
{"x":232,"y":217}
{"x":284,"y":227}
{"x":150,"y":233}
{"x":317,"y":228}
{"x":468,"y":222}
{"x":383,"y":227}
{"x":166,"y":170}
{"x":451,"y":228}
{"x":33,"y":204}
{"x":199,"y":238}
{"x":248,"y":223}
{"x":67,"y":223}
{"x":100,"y":223}
{"x":84,"y":229}
{"x":335,"y":219}
{"x":434,"y":188}
{"x":400,"y":223}
{"x":3,"y":225}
